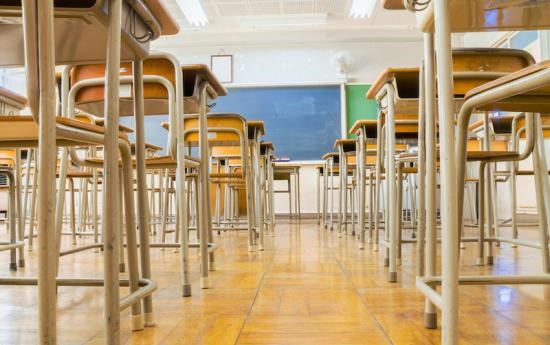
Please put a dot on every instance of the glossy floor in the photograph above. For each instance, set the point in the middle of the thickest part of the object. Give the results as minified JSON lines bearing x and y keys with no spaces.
{"x":307,"y":287}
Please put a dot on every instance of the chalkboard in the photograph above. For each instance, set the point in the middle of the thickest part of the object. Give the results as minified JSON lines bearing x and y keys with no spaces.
{"x":302,"y":121}
{"x":358,"y":108}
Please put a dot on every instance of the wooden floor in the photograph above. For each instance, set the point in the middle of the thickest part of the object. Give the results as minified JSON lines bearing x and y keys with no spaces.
{"x":307,"y":287}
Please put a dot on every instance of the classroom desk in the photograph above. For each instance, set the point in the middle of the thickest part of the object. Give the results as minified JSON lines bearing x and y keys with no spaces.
{"x":397,"y":89}
{"x":256,"y":130}
{"x":467,"y":16}
{"x":346,"y":149}
{"x":286,"y":172}
{"x":266,"y":151}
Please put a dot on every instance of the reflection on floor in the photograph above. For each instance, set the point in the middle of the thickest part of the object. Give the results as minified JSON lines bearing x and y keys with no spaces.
{"x":307,"y":287}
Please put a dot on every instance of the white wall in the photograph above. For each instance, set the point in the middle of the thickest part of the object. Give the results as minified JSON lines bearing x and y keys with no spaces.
{"x":268,"y":65}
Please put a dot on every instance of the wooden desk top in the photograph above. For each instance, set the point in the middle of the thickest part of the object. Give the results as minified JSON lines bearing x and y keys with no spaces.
{"x":536,"y":100}
{"x":264,"y":145}
{"x":408,"y":77}
{"x":348,"y":145}
{"x":253,"y":125}
{"x":329,"y":155}
{"x":203,"y":72}
{"x":168,"y":24}
{"x":489,"y":15}
{"x":369,"y":125}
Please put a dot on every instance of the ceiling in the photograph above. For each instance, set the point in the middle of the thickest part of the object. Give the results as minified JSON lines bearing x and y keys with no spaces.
{"x":260,"y":22}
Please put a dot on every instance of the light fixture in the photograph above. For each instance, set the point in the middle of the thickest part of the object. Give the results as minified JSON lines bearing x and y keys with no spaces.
{"x":362,"y":8}
{"x":193,"y":11}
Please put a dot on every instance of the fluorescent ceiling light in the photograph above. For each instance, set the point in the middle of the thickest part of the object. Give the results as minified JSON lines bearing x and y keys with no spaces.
{"x":193,"y":11}
{"x":362,"y":8}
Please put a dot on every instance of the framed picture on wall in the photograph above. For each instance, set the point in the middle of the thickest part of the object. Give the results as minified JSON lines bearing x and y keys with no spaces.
{"x":222,"y":67}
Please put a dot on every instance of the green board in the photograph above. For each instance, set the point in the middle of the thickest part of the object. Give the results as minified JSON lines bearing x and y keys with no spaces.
{"x":358,"y":108}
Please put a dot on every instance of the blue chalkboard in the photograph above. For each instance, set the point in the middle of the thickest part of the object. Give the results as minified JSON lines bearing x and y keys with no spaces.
{"x":302,"y":121}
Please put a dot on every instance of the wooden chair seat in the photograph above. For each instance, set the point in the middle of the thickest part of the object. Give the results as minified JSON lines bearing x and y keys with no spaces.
{"x":161,"y":162}
{"x":485,"y":155}
{"x":24,"y":131}
{"x":264,"y":146}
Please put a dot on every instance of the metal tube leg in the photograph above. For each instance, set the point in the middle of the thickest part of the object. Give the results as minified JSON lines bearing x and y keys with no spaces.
{"x":513,"y":201}
{"x":421,"y":225}
{"x":541,"y":183}
{"x":344,"y":188}
{"x":131,"y":243}
{"x":204,"y":190}
{"x":165,"y":208}
{"x":121,"y":264}
{"x":72,"y":210}
{"x":449,"y":216}
{"x":298,"y":199}
{"x":331,"y":167}
{"x":371,"y":206}
{"x":33,"y":201}
{"x":289,"y":197}
{"x":142,"y":207}
{"x":482,"y":216}
{"x":40,"y":60}
{"x":361,"y":169}
{"x":340,"y":193}
{"x":489,"y":212}
{"x":392,"y":217}
{"x":110,"y":176}
{"x":27,"y":185}
{"x":13,"y":218}
{"x":18,"y":205}
{"x":399,"y":224}
{"x":430,"y":311}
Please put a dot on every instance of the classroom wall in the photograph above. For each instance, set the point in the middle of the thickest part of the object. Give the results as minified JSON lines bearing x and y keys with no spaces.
{"x":272,"y":64}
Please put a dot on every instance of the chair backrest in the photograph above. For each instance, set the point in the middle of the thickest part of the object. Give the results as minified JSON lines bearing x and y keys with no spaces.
{"x":223,"y":130}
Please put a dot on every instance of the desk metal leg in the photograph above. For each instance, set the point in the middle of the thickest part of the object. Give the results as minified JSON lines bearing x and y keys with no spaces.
{"x":449,"y":214}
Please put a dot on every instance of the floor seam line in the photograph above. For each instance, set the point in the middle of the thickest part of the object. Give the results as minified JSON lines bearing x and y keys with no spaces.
{"x":257,"y":293}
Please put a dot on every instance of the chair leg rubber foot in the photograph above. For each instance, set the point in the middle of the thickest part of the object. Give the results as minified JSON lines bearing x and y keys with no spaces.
{"x":22,"y":263}
{"x":430,"y":320}
{"x":375,"y":247}
{"x":480,"y":262}
{"x":149,"y":319}
{"x":186,"y":290}
{"x":490,"y":260}
{"x":205,"y":283}
{"x":137,"y":322}
{"x":392,"y":277}
{"x":13,"y":266}
{"x":250,"y":248}
{"x":361,"y":246}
